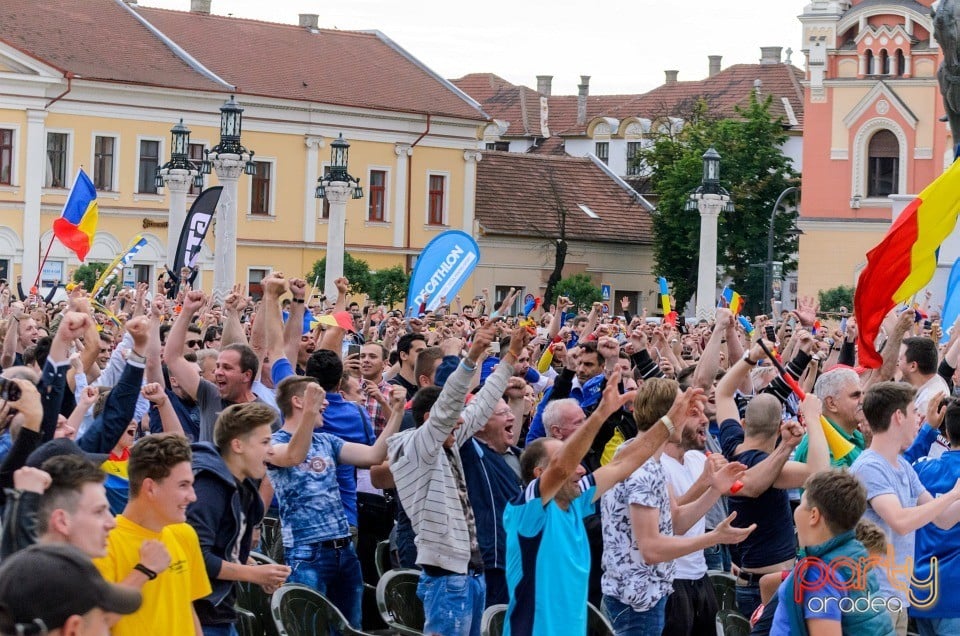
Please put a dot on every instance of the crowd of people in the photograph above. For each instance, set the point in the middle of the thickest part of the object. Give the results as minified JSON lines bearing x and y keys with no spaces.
{"x":542,"y":461}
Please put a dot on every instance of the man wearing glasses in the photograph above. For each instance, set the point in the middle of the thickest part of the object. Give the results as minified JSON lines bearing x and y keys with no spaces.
{"x":842,"y":398}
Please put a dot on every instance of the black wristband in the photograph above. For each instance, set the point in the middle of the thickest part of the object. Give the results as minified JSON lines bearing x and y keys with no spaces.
{"x":150,"y":574}
{"x":299,"y":301}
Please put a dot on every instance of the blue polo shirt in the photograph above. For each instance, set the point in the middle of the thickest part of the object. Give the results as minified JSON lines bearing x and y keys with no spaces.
{"x":937,"y":476}
{"x":548,"y":588}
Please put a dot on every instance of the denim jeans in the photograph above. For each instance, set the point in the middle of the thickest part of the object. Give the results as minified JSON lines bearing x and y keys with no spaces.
{"x":627,"y":621}
{"x":717,"y":557}
{"x":334,"y":572}
{"x":938,"y":626}
{"x":220,"y":630}
{"x":748,"y":598}
{"x":452,"y":604}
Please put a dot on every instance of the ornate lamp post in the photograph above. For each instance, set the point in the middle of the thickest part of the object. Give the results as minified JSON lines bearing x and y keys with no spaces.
{"x":774,"y":269}
{"x":228,"y":158}
{"x":710,"y":199}
{"x":336,"y":187}
{"x":178,"y":174}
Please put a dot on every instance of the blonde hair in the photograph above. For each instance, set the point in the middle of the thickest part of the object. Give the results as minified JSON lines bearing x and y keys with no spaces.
{"x":654,"y":399}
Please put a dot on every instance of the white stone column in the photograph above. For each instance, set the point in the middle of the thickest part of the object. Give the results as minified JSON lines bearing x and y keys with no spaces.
{"x":178,"y":181}
{"x":313,"y":145}
{"x":472,"y":158}
{"x":709,"y":206}
{"x":403,"y":152}
{"x":229,"y":168}
{"x":337,"y":194}
{"x":36,"y":146}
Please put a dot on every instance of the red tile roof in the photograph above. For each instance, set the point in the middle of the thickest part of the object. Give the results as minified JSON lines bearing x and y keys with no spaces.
{"x":724,"y":91}
{"x":346,"y":68}
{"x":96,"y":40}
{"x":105,"y":40}
{"x":502,"y":100}
{"x":517,"y":195}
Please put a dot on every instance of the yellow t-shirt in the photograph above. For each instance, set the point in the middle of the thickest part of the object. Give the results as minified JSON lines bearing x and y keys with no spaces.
{"x":168,"y":599}
{"x":611,"y":448}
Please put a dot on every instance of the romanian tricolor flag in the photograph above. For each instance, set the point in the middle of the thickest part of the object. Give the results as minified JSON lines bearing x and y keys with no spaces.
{"x":78,"y":222}
{"x":669,"y":316}
{"x":732,"y":300}
{"x":905,"y":260}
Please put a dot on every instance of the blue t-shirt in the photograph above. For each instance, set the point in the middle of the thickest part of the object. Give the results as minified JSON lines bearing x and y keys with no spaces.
{"x":310,"y":506}
{"x":548,"y":589}
{"x":773,"y":540}
{"x":822,"y":603}
{"x":880,"y":478}
{"x":937,"y":476}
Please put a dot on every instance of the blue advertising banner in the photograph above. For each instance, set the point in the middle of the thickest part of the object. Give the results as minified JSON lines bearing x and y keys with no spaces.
{"x":444,"y":265}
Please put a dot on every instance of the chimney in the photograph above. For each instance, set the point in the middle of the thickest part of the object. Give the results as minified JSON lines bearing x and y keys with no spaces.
{"x":544,"y":83}
{"x":584,"y":91}
{"x":200,"y":6}
{"x":671,"y":76}
{"x":309,"y":20}
{"x":714,"y":64}
{"x":770,"y":54}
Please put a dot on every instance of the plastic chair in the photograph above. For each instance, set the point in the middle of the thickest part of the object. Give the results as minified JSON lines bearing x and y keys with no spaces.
{"x":492,"y":622}
{"x":252,"y":598}
{"x":597,"y":623}
{"x":732,"y":623}
{"x":271,"y":541}
{"x":398,"y":602}
{"x":248,"y":623}
{"x":724,"y":588}
{"x":302,"y":611}
{"x":382,"y":558}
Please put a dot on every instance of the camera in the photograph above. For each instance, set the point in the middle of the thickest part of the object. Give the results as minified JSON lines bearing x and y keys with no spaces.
{"x":9,"y":390}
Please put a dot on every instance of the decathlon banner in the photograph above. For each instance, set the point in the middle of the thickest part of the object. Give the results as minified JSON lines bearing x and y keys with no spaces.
{"x":195,"y":226}
{"x":444,"y":265}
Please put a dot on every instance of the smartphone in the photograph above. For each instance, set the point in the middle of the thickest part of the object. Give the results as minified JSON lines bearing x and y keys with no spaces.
{"x":771,"y":333}
{"x":9,"y":390}
{"x":495,"y":346}
{"x":353,"y":349}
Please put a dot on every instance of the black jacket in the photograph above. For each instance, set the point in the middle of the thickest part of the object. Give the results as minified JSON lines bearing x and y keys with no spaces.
{"x":216,"y":515}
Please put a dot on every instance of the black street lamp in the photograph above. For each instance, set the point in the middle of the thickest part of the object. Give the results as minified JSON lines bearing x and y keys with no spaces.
{"x":339,"y":158}
{"x":709,"y":183}
{"x":179,"y":157}
{"x":231,"y":126}
{"x":768,"y":278}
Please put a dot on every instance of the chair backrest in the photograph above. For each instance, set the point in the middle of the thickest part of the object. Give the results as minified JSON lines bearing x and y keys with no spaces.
{"x":597,"y":623}
{"x":397,"y":599}
{"x":299,"y":610}
{"x":492,"y":622}
{"x":271,"y":541}
{"x":248,"y":623}
{"x":252,"y":598}
{"x":382,"y":557}
{"x":732,"y":623}
{"x":724,"y":588}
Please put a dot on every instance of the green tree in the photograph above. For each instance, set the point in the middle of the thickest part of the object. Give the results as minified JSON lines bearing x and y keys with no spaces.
{"x":356,"y":270}
{"x":580,"y":290}
{"x":753,"y":169}
{"x":831,"y":300}
{"x":88,"y":273}
{"x":389,"y":286}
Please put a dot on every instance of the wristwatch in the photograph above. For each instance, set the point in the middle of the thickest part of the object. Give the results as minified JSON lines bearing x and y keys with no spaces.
{"x":133,"y":356}
{"x":746,"y":358}
{"x":668,"y":423}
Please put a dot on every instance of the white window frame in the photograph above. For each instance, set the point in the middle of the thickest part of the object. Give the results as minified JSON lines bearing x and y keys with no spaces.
{"x":161,"y":153}
{"x":115,"y":177}
{"x":861,"y":153}
{"x":271,"y":211}
{"x":446,"y":198}
{"x":68,"y":174}
{"x":386,"y":196}
{"x":206,"y":146}
{"x":14,"y":156}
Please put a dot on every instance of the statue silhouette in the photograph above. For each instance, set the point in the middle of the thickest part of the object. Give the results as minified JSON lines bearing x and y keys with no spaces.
{"x":946,"y":29}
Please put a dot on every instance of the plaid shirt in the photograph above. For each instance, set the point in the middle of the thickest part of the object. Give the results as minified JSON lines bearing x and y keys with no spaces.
{"x":375,"y":412}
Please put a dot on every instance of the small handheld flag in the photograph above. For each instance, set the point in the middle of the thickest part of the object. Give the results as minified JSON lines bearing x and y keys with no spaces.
{"x":732,"y":300}
{"x":669,"y":316}
{"x":78,"y":221}
{"x":746,"y":324}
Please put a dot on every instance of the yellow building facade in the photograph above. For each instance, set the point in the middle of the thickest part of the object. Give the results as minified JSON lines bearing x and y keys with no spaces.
{"x":413,"y":139}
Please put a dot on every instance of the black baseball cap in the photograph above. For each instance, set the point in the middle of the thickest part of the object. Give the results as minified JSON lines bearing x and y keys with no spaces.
{"x":44,"y":585}
{"x":61,"y":446}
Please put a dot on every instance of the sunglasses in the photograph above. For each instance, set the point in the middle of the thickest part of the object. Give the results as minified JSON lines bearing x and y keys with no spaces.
{"x":194,"y":343}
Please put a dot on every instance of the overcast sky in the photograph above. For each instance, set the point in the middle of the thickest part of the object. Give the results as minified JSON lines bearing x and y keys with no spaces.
{"x":624,"y":45}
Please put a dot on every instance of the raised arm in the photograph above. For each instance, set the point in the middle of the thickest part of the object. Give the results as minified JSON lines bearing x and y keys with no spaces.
{"x":709,"y":362}
{"x":928,"y":510}
{"x":186,"y":372}
{"x":233,"y":306}
{"x":12,"y":339}
{"x":365,"y":456}
{"x":293,"y":330}
{"x":295,"y":451}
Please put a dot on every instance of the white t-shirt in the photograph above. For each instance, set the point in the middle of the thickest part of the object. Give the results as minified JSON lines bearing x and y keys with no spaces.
{"x":681,"y":477}
{"x":925,"y":393}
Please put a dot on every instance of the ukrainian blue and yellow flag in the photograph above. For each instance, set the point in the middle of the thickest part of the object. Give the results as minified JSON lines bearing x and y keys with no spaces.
{"x":78,"y":221}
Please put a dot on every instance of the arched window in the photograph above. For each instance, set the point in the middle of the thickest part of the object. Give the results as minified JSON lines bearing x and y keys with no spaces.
{"x":870,"y":63}
{"x":883,"y":63}
{"x":901,"y":63}
{"x":883,"y":164}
